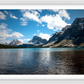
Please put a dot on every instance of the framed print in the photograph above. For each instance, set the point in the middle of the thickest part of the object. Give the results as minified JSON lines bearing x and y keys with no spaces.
{"x":42,"y":42}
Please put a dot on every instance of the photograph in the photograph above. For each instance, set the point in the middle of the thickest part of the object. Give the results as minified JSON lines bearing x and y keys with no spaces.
{"x":41,"y":41}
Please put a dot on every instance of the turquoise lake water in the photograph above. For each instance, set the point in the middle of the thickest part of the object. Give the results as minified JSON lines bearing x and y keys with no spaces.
{"x":42,"y":61}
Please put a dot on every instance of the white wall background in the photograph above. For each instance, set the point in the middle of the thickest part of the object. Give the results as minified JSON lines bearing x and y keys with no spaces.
{"x":41,"y":81}
{"x":42,"y":2}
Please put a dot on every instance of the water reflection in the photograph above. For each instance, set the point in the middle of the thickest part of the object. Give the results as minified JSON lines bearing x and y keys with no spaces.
{"x":42,"y":61}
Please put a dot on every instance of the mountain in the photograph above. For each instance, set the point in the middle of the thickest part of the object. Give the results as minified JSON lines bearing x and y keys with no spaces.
{"x":73,"y":36}
{"x":37,"y":40}
{"x":26,"y":45}
{"x":65,"y":28}
{"x":55,"y":36}
{"x":70,"y":36}
{"x":15,"y":42}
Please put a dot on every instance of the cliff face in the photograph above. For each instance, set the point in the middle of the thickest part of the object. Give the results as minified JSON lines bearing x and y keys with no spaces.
{"x":54,"y":37}
{"x":57,"y":35}
{"x":15,"y":42}
{"x":74,"y":33}
{"x":69,"y":36}
{"x":38,"y":40}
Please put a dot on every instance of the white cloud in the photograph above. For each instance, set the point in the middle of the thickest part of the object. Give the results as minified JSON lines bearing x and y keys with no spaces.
{"x":64,"y":13}
{"x":43,"y":25}
{"x":24,"y":40}
{"x":27,"y":39}
{"x":32,"y":16}
{"x":8,"y":33}
{"x":4,"y":31}
{"x":38,"y":31}
{"x":6,"y":12}
{"x":5,"y":41}
{"x":44,"y":36}
{"x":23,"y":21}
{"x":40,"y":10}
{"x":13,"y":16}
{"x":34,"y":34}
{"x":15,"y":35}
{"x":55,"y":10}
{"x":29,"y":14}
{"x":3,"y":25}
{"x":54,"y":22}
{"x":21,"y":40}
{"x":2,"y":16}
{"x":2,"y":38}
{"x":37,"y":25}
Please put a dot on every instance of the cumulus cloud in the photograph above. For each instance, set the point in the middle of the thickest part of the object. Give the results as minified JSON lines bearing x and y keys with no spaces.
{"x":14,"y":17}
{"x":43,"y":25}
{"x":29,"y":14}
{"x":2,"y":38}
{"x":6,"y":12}
{"x":15,"y":35}
{"x":64,"y":13}
{"x":5,"y":41}
{"x":32,"y":15}
{"x":3,"y":25}
{"x":37,"y":25}
{"x":44,"y":36}
{"x":40,"y":10}
{"x":55,"y":10}
{"x":34,"y":34}
{"x":38,"y":31}
{"x":8,"y":33}
{"x":23,"y":21}
{"x":2,"y":16}
{"x":24,"y":40}
{"x":27,"y":39}
{"x":54,"y":22}
{"x":4,"y":31}
{"x":21,"y":40}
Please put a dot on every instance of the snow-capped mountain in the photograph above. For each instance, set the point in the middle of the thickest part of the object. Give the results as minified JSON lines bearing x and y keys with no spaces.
{"x":37,"y":41}
{"x":15,"y":42}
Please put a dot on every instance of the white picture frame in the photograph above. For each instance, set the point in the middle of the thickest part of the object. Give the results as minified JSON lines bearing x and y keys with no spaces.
{"x":42,"y":5}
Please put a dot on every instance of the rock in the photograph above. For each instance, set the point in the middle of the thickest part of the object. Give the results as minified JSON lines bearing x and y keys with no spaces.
{"x":15,"y":42}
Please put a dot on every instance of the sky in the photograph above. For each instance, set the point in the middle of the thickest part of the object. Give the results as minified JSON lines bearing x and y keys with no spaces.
{"x":24,"y":24}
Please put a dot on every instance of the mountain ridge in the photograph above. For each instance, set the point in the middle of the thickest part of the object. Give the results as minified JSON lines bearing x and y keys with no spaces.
{"x":70,"y":36}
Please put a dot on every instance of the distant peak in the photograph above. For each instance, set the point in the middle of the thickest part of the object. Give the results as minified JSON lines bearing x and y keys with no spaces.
{"x":15,"y":40}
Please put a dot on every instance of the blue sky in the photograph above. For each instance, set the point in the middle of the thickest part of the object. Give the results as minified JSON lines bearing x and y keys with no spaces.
{"x":24,"y":24}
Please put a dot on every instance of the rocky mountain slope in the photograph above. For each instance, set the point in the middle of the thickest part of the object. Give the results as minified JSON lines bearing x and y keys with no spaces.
{"x":35,"y":42}
{"x":15,"y":42}
{"x":56,"y":36}
{"x":69,"y":36}
{"x":38,"y":40}
{"x":74,"y":35}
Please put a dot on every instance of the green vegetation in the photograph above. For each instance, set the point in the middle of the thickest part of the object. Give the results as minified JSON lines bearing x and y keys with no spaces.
{"x":8,"y":46}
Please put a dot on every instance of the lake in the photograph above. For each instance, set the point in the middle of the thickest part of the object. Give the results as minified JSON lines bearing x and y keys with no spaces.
{"x":42,"y":61}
